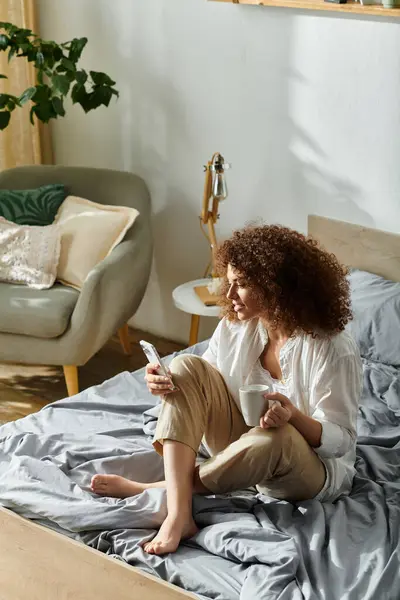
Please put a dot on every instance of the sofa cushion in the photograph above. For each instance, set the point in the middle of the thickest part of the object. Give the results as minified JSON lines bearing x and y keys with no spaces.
{"x":89,"y":232}
{"x":29,"y":255}
{"x":36,"y":313}
{"x":32,"y":207}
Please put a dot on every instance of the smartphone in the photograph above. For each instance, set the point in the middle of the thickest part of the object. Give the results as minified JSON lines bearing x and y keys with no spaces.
{"x":154,"y":358}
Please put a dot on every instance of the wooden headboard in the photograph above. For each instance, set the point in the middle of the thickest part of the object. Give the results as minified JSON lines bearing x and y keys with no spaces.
{"x":359,"y":247}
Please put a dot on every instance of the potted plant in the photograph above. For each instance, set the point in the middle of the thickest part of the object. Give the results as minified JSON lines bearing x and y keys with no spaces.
{"x":57,"y":76}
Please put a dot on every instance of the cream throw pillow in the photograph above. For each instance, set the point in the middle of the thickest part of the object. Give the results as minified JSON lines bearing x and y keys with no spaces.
{"x":29,"y":254}
{"x":89,"y":232}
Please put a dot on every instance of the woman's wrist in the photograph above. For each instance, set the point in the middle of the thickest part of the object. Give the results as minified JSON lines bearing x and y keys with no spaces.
{"x":295,"y":415}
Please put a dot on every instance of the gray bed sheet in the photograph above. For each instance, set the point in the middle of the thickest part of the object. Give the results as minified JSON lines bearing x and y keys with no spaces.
{"x":249,"y":547}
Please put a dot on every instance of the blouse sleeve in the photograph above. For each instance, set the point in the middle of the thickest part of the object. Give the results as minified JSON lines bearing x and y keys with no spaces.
{"x":335,"y":396}
{"x":211,"y":354}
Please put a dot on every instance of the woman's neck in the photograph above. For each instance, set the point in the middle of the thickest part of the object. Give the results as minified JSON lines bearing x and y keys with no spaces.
{"x":277,"y":336}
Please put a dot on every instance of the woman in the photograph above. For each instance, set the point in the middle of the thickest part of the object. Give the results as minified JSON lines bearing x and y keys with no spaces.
{"x":285,"y":308}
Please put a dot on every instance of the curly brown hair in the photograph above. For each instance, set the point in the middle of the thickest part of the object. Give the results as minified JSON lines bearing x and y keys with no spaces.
{"x":300,"y":285}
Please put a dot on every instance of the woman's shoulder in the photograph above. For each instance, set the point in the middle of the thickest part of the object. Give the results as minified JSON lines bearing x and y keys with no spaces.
{"x":337,"y":346}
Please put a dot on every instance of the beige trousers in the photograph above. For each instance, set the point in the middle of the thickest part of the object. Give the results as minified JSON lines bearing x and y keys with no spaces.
{"x":278,"y":461}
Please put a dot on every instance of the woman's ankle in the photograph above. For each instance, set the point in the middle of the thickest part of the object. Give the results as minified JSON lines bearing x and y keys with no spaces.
{"x":180,"y":513}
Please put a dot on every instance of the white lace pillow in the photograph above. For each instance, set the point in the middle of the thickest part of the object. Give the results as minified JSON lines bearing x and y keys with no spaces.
{"x":29,"y":255}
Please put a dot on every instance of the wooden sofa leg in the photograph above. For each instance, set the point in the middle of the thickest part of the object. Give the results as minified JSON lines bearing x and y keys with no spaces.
{"x":71,"y":379}
{"x":123,"y":333}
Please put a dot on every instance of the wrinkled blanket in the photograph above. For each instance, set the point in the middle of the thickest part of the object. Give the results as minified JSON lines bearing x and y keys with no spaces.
{"x":249,"y":547}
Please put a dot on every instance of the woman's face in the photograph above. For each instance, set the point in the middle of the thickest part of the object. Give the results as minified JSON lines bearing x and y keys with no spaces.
{"x":245,"y":304}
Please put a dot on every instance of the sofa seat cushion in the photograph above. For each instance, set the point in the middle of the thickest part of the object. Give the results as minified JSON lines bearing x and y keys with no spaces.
{"x":36,"y":313}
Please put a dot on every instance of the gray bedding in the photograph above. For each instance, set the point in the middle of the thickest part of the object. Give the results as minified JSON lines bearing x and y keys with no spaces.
{"x":249,"y":547}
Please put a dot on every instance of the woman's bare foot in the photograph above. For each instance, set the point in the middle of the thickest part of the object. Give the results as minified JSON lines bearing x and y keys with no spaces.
{"x":115,"y":486}
{"x":171,"y":532}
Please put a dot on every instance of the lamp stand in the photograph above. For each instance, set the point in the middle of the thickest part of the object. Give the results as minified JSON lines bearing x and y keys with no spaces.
{"x":210,"y":217}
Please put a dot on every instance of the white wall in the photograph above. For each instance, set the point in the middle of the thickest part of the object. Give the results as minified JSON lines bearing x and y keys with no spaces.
{"x":305,"y":106}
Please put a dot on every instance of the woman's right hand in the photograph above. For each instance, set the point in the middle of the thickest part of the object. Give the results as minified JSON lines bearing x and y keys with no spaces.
{"x":158,"y":385}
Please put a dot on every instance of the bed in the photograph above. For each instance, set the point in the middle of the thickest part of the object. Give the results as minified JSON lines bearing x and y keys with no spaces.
{"x":59,"y":541}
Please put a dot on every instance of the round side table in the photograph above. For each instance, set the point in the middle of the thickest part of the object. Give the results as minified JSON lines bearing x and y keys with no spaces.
{"x":186,"y":299}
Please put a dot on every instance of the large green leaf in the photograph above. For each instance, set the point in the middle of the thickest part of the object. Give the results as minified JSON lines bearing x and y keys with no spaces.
{"x":57,"y":52}
{"x":43,"y":93}
{"x":31,"y":54}
{"x":3,"y":41}
{"x":44,"y":111}
{"x":86,"y":102}
{"x":46,"y":50}
{"x":7,"y":100}
{"x":5,"y":116}
{"x":61,"y":84}
{"x":70,"y":76}
{"x":27,"y":95}
{"x":78,"y":93}
{"x":76,"y":48}
{"x":68,"y":64}
{"x":12,"y":52}
{"x":81,"y":77}
{"x":101,"y":78}
{"x":25,"y":47}
{"x":9,"y":27}
{"x":4,"y":99}
{"x":22,"y":34}
{"x":58,"y":106}
{"x":101,"y":96}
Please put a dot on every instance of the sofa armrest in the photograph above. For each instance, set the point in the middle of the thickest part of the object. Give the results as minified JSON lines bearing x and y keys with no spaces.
{"x":112,"y":292}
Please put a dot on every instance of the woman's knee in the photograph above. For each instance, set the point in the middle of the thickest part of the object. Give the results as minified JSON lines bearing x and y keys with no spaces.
{"x":276,"y":436}
{"x":186,"y":364}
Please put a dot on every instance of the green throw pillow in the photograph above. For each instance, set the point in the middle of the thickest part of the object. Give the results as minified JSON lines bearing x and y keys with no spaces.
{"x":32,"y":207}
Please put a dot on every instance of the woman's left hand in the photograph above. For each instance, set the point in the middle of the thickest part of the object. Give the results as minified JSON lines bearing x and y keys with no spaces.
{"x":279,"y":414}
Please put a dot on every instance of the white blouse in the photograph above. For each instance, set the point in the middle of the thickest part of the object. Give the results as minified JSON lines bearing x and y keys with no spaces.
{"x":322,"y":377}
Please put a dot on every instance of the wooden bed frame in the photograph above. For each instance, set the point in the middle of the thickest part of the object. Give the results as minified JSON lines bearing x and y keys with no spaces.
{"x":39,"y":564}
{"x":363,"y":248}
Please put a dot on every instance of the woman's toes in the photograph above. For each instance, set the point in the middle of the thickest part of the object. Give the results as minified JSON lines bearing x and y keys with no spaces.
{"x":98,"y":483}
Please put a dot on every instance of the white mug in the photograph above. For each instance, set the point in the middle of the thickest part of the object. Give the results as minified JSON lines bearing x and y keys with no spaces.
{"x":253,"y":404}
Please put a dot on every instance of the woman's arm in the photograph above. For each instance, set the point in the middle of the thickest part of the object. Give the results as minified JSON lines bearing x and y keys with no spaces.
{"x":310,"y":429}
{"x":285,"y":412}
{"x":334,"y":398}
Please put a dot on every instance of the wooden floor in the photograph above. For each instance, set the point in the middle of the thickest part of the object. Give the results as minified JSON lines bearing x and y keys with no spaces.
{"x":26,"y":389}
